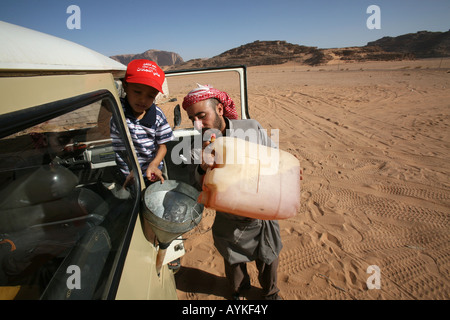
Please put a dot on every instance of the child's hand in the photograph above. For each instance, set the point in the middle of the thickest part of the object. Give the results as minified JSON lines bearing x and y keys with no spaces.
{"x":128,"y":179}
{"x":154,"y":174}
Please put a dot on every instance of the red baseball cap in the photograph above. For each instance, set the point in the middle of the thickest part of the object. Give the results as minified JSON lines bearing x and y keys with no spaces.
{"x":145,"y":72}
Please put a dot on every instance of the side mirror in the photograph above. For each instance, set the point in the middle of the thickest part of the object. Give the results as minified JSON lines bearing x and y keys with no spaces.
{"x":177,"y":116}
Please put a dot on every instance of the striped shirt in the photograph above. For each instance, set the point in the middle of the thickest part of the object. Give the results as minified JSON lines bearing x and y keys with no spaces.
{"x":146,"y":134}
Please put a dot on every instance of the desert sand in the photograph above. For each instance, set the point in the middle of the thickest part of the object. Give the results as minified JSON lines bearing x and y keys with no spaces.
{"x":373,"y":140}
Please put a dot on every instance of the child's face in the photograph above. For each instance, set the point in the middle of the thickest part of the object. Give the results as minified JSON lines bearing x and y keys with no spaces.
{"x":140,"y":96}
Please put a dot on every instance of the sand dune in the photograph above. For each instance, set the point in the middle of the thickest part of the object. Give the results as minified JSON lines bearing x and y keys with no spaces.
{"x":373,"y":140}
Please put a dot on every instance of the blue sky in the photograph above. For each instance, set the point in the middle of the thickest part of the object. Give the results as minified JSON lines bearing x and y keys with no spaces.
{"x":203,"y":29}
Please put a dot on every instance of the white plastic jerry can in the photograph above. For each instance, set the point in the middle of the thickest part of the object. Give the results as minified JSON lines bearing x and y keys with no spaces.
{"x":252,"y":180}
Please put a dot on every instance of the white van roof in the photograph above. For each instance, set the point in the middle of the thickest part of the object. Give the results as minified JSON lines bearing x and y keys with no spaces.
{"x":24,"y":49}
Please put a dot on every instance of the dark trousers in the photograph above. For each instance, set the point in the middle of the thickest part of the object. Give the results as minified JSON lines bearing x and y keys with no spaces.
{"x":239,"y":279}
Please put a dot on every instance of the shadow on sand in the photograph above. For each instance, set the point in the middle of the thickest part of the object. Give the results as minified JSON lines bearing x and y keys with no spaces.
{"x":191,"y":280}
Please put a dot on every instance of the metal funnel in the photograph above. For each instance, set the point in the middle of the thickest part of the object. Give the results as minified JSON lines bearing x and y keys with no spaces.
{"x":172,"y":209}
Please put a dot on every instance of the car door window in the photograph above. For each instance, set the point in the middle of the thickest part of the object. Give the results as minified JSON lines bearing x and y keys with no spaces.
{"x":64,"y":213}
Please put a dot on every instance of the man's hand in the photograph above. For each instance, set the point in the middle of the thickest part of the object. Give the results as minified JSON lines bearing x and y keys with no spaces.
{"x":208,"y":154}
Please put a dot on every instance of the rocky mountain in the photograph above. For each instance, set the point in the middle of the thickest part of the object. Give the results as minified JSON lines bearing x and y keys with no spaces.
{"x":366,"y":53}
{"x":162,"y":58}
{"x":423,"y":44}
{"x":267,"y":53}
{"x":259,"y":53}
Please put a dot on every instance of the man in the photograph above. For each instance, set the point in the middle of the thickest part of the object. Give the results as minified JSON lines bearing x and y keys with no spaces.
{"x":238,"y":239}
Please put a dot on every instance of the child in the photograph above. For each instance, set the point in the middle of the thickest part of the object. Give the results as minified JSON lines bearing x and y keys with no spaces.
{"x":146,"y":122}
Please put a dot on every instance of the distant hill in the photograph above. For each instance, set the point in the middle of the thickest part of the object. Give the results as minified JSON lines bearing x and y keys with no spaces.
{"x":269,"y":52}
{"x":162,"y":58}
{"x":259,"y":53}
{"x":423,"y":44}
